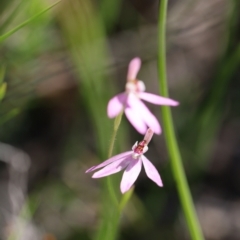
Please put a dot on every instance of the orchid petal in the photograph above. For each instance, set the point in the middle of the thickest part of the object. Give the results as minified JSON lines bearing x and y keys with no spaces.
{"x":133,"y":69}
{"x":120,"y":156}
{"x":144,"y":113}
{"x":155,"y":99}
{"x":130,"y":175}
{"x":116,"y":104}
{"x":136,"y":120}
{"x":141,"y":86}
{"x":151,"y":171}
{"x":112,"y":168}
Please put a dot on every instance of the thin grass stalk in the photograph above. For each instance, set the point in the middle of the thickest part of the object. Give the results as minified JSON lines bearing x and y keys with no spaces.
{"x":172,"y":146}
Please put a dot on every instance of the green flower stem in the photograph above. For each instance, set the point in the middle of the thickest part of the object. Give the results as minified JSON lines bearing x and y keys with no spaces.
{"x":125,"y":197}
{"x":109,"y":226}
{"x":177,"y":166}
{"x":116,"y":125}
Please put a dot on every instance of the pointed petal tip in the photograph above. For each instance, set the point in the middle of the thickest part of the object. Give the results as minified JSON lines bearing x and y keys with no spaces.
{"x":125,"y":189}
{"x":160,"y":184}
{"x":133,"y":68}
{"x":136,"y":60}
{"x":158,"y":100}
{"x":90,"y":169}
{"x":157,"y":131}
{"x":175,"y":103}
{"x":151,"y":171}
{"x":122,"y":190}
{"x":95,"y":176}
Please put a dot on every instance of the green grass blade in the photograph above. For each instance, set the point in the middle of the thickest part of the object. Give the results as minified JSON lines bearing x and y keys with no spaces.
{"x":8,"y":34}
{"x":9,"y":19}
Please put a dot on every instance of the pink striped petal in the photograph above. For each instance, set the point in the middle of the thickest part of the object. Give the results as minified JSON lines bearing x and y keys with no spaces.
{"x":133,"y":68}
{"x":151,"y":171}
{"x":120,"y":156}
{"x":116,"y":104}
{"x":136,"y":120}
{"x":112,"y":168}
{"x":155,"y":99}
{"x":130,"y":175}
{"x":144,"y":113}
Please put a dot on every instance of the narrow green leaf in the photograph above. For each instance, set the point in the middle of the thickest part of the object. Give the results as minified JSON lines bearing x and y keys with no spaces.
{"x":10,"y":17}
{"x":8,"y":34}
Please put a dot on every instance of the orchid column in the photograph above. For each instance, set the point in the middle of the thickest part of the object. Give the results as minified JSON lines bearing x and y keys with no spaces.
{"x":177,"y":166}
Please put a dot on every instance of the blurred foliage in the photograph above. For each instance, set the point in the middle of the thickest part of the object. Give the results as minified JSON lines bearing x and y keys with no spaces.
{"x":58,"y":71}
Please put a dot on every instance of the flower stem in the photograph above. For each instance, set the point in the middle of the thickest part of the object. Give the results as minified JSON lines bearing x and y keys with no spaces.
{"x":110,"y":223}
{"x":116,"y":125}
{"x":177,"y":166}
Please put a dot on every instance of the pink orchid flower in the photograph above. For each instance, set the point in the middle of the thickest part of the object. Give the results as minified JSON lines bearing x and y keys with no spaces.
{"x":136,"y":111}
{"x":131,"y":161}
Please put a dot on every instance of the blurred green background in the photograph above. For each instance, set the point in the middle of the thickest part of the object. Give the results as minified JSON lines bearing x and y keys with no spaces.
{"x":63,"y":66}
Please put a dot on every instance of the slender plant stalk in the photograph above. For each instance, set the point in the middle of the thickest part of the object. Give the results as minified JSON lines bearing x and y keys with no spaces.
{"x":120,"y":205}
{"x":177,"y":166}
{"x":117,"y":122}
{"x":110,"y":228}
{"x":116,"y":125}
